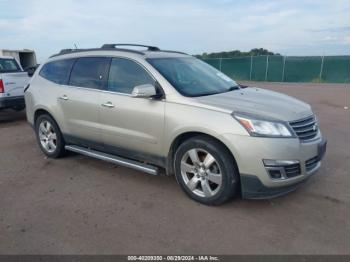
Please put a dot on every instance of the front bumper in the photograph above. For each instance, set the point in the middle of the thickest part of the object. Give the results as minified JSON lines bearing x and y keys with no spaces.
{"x":250,"y":153}
{"x":9,"y":102}
{"x":252,"y":188}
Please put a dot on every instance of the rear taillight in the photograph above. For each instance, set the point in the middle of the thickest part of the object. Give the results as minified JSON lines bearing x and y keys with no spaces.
{"x":2,"y":89}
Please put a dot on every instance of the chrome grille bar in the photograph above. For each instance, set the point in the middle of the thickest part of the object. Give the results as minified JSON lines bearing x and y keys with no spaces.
{"x":305,"y":128}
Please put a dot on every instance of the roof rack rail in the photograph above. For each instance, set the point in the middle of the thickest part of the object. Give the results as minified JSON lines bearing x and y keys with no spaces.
{"x":114,"y":47}
{"x":176,"y":52}
{"x":69,"y":51}
{"x":149,"y":48}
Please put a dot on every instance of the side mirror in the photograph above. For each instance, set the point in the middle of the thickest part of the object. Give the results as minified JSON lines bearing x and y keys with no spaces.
{"x":145,"y":91}
{"x":30,"y":71}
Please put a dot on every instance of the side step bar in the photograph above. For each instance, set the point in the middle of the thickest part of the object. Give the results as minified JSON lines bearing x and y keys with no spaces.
{"x":114,"y":159}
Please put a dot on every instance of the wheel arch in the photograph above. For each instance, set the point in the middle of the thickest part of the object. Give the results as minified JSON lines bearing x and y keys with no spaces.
{"x":41,"y":111}
{"x":180,"y":138}
{"x":59,"y":150}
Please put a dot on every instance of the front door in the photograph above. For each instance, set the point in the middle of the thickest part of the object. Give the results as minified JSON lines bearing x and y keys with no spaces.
{"x":132,"y":127}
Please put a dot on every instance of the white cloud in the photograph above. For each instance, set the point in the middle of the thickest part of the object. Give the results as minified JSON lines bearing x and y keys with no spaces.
{"x":286,"y":26}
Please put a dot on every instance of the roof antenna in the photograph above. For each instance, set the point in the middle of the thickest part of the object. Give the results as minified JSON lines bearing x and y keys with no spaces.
{"x":75,"y":45}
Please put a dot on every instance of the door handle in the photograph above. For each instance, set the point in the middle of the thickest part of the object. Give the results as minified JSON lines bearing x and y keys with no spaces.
{"x":64,"y":97}
{"x":108,"y":104}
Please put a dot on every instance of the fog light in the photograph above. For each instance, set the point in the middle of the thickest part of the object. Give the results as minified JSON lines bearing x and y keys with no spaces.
{"x":275,"y":174}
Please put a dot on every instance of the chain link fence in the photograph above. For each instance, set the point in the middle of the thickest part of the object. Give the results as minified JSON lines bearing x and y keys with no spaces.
{"x":328,"y":69}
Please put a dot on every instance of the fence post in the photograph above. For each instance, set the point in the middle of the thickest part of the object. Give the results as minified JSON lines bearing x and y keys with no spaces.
{"x":321,"y":70}
{"x":220,"y":62}
{"x":251,"y":67}
{"x":267,"y":67}
{"x":283,"y":68}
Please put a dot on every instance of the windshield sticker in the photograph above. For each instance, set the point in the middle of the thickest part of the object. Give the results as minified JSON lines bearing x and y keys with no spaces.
{"x":224,"y":77}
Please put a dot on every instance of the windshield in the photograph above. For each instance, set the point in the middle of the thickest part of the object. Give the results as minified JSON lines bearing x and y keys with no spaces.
{"x":193,"y":77}
{"x":8,"y":65}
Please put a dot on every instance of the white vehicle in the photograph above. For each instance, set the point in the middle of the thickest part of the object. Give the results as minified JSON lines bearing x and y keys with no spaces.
{"x":12,"y":83}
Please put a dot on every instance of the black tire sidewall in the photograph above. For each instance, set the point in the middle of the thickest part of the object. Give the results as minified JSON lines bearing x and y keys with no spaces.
{"x":230,"y":177}
{"x":60,"y":141}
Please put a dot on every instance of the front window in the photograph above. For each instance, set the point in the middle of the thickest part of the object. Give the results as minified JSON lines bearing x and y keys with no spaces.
{"x":193,"y":77}
{"x":125,"y":74}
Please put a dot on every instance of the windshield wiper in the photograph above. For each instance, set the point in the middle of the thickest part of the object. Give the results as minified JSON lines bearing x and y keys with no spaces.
{"x":233,"y":88}
{"x":205,"y":94}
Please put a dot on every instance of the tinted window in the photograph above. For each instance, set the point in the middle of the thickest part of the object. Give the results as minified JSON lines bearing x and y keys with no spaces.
{"x":8,"y":65}
{"x":57,"y":71}
{"x":125,"y":74}
{"x":89,"y":72}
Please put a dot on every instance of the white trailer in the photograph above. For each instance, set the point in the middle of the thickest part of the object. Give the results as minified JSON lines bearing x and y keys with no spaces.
{"x":25,"y":57}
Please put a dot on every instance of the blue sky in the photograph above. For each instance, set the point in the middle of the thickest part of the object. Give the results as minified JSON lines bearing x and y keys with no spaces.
{"x":289,"y":27}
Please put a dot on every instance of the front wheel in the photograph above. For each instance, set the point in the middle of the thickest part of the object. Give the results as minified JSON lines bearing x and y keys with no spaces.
{"x":206,"y":171}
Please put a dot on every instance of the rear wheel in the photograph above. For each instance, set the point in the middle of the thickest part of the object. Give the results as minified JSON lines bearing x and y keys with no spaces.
{"x":206,"y":170}
{"x":49,"y":136}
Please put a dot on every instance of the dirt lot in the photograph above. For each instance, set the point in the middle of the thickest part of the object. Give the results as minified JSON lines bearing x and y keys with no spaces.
{"x":78,"y":205}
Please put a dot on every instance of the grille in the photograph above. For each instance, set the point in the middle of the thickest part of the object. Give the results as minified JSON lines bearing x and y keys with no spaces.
{"x":305,"y":128}
{"x":292,"y":170}
{"x":311,"y":163}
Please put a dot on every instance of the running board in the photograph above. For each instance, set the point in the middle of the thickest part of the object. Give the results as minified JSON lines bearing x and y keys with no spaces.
{"x":114,"y":159}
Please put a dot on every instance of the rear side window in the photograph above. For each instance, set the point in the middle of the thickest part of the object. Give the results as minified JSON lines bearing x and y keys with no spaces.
{"x":90,"y":72}
{"x":8,"y":65}
{"x":57,"y":71}
{"x":125,"y":74}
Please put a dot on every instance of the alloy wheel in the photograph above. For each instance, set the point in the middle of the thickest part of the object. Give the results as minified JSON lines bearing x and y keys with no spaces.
{"x":47,"y":136}
{"x":201,"y":172}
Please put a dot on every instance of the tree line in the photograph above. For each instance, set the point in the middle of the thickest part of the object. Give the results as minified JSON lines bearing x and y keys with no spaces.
{"x":236,"y":53}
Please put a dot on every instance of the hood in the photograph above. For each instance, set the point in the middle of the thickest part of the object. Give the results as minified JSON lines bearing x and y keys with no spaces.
{"x":259,"y":101}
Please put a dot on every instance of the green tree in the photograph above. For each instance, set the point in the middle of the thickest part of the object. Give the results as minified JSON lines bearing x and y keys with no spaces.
{"x":236,"y":53}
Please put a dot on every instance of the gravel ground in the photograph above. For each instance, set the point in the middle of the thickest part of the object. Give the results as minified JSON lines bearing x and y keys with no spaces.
{"x":79,"y":205}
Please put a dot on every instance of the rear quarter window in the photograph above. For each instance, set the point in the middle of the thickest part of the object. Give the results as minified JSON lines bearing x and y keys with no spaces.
{"x":57,"y":71}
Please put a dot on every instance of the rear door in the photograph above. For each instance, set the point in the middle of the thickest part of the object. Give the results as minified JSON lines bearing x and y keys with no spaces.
{"x":13,"y":78}
{"x":131,"y":126}
{"x":80,"y":101}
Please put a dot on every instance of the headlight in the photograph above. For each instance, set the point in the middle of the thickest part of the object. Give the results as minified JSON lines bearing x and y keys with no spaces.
{"x":266,"y":128}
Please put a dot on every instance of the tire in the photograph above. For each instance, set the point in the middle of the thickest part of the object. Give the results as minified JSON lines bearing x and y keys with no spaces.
{"x":49,"y":136}
{"x":201,"y":181}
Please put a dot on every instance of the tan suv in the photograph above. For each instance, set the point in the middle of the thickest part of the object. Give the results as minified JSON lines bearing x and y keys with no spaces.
{"x":167,"y":112}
